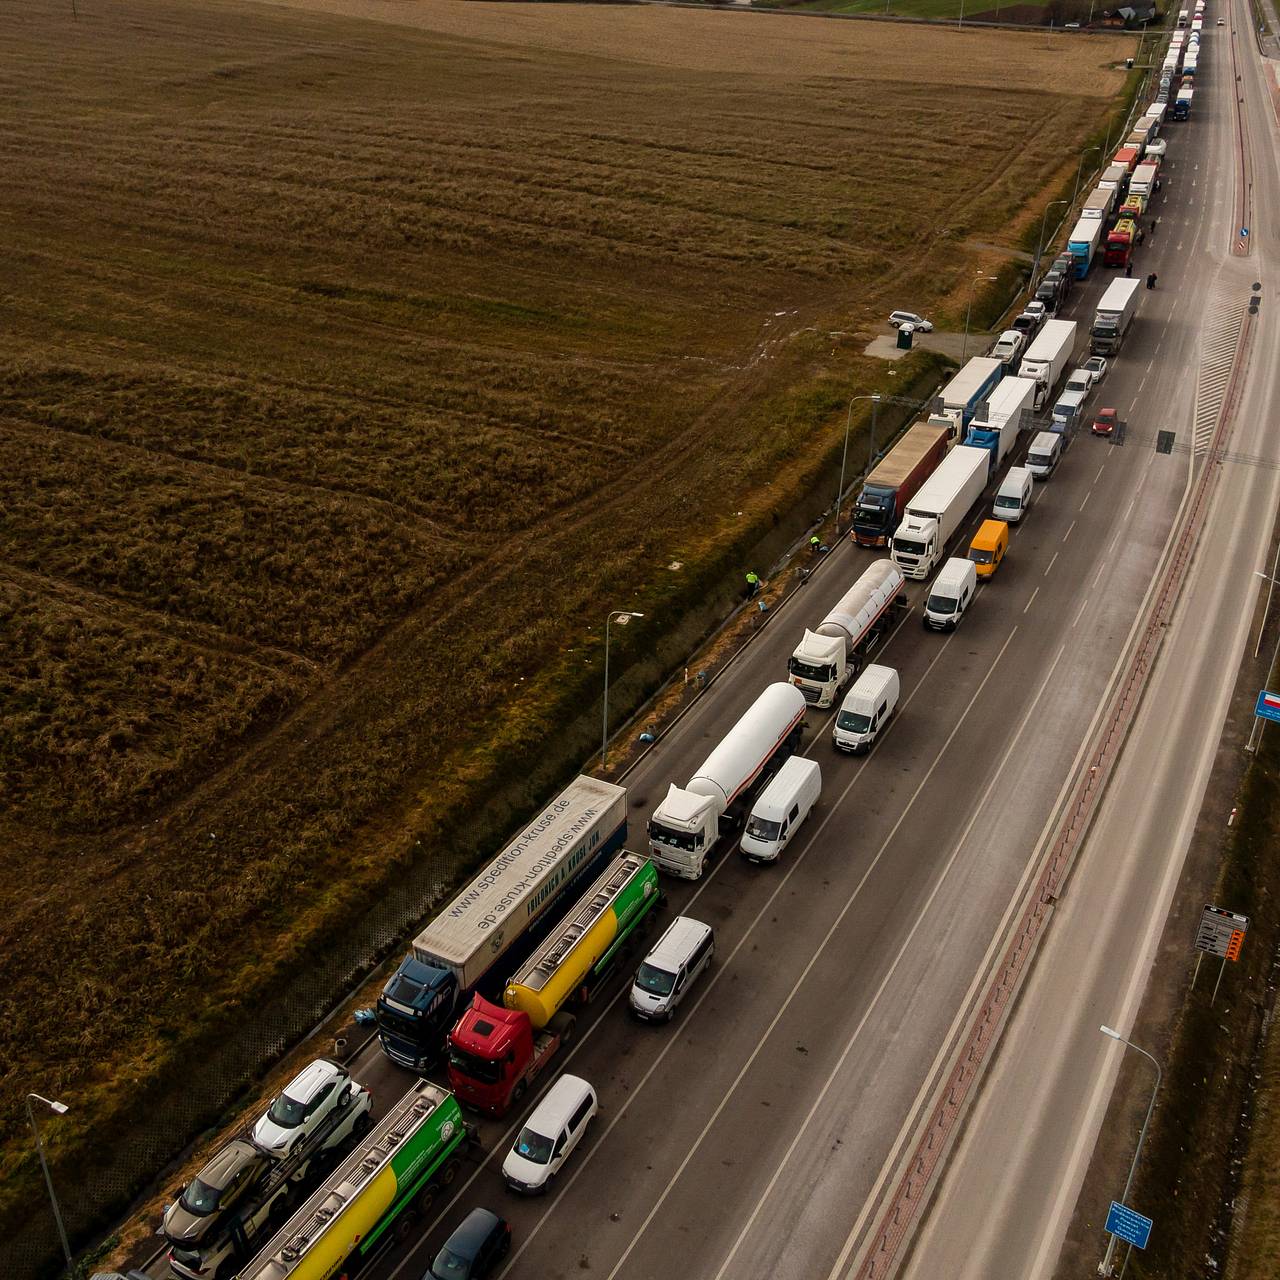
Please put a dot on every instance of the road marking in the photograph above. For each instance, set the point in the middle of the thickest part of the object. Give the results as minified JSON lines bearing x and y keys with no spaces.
{"x":1100,"y":470}
{"x":1098,"y":575}
{"x":1080,"y":610}
{"x":1032,"y":601}
{"x":1050,"y":564}
{"x":1066,"y":535}
{"x":1142,"y":384}
{"x":786,"y":1004}
{"x":1087,"y":496}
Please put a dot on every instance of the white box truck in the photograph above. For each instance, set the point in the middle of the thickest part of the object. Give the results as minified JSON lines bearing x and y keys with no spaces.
{"x":937,"y":509}
{"x":962,"y":395}
{"x":827,"y":659}
{"x":1143,"y":182}
{"x":1111,"y":319}
{"x":998,"y":422}
{"x":690,"y":821}
{"x":1047,"y":357}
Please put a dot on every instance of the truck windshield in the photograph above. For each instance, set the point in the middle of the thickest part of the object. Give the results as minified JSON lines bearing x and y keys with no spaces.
{"x":908,"y":546}
{"x":978,"y":556}
{"x":397,"y":1023}
{"x":853,"y":721}
{"x":467,"y":1064}
{"x":686,"y":840}
{"x":821,"y":672}
{"x":941,"y":604}
{"x":870,"y":511}
{"x":533,"y":1146}
{"x":763,"y":829}
{"x":656,"y":981}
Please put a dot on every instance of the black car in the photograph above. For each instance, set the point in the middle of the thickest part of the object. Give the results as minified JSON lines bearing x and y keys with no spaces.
{"x":476,"y":1247}
{"x":1050,"y":295}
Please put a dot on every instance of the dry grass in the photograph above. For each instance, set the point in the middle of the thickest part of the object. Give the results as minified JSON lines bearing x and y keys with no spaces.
{"x":350,"y":368}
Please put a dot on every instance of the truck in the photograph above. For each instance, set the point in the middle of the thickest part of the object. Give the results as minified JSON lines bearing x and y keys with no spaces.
{"x":504,"y":912}
{"x":1114,"y":178}
{"x":896,"y":477}
{"x":1112,"y":318}
{"x":1182,"y":104}
{"x":962,"y":395}
{"x":497,"y":1051}
{"x":691,"y":821}
{"x":1046,"y":359}
{"x":388,"y":1182}
{"x":1127,"y":156}
{"x":1099,"y":203}
{"x":1006,"y":413}
{"x":828,"y":659}
{"x":1143,"y":182}
{"x":1120,"y":243}
{"x":935,"y":513}
{"x":1083,"y":243}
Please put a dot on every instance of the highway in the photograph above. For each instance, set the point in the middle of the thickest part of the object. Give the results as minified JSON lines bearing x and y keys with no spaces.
{"x":759,"y":1133}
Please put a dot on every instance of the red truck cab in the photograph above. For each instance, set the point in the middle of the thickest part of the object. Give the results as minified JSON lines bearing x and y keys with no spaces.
{"x":494,"y":1055}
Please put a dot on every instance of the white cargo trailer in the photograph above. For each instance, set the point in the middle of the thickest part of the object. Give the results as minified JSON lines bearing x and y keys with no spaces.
{"x":1047,"y":357}
{"x":936,"y":511}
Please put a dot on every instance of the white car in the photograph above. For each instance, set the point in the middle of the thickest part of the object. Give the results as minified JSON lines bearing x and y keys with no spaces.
{"x":1097,"y":367}
{"x":899,"y":318}
{"x":304,"y":1104}
{"x":1081,"y":380}
{"x":1157,"y":147}
{"x":550,"y":1134}
{"x":1009,"y":345}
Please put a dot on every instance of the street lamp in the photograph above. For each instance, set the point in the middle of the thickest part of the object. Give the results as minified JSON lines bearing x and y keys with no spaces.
{"x":964,"y":345}
{"x":1035,"y":266}
{"x":623,"y":616}
{"x":1080,"y":168}
{"x":844,"y":453}
{"x":58,"y":1108}
{"x":1104,"y":1267}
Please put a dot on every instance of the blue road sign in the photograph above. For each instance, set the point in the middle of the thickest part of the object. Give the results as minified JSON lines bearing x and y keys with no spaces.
{"x":1127,"y":1225}
{"x":1244,"y":231}
{"x":1268,"y":706}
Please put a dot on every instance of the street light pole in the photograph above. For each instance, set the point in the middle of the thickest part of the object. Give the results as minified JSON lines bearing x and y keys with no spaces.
{"x":624,"y":616}
{"x":1104,"y":1267}
{"x":1080,"y":168}
{"x":58,"y":1108}
{"x":1035,"y":266}
{"x":844,"y":453}
{"x":964,"y":345}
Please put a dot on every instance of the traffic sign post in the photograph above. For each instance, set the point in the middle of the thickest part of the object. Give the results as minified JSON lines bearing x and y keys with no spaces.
{"x":1221,"y":933}
{"x":1127,"y":1225}
{"x":1268,"y":705}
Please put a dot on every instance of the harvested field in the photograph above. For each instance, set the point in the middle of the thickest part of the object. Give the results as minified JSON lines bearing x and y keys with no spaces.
{"x":359,"y":356}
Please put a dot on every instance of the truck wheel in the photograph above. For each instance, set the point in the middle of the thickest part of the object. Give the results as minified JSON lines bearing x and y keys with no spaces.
{"x":517,"y":1094}
{"x":426,"y":1199}
{"x":408,"y":1220}
{"x":362,"y":1126}
{"x":449,"y":1174}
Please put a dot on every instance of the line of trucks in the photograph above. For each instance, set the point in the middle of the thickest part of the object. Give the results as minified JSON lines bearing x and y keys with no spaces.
{"x":491,"y":982}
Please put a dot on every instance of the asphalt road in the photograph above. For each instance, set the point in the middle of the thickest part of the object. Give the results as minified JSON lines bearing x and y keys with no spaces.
{"x":751,"y":1136}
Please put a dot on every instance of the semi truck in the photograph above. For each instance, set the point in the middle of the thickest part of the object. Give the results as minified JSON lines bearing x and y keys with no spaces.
{"x":503,"y":913}
{"x":1127,"y":156}
{"x":1083,"y":243}
{"x":1182,"y":104}
{"x":692,"y":820}
{"x":828,"y":659}
{"x":897,"y":476}
{"x":1115,"y":177}
{"x":1006,"y":413}
{"x":387,"y":1184}
{"x":1046,"y":359}
{"x":935,"y":513}
{"x":961,"y":396}
{"x":1099,"y":203}
{"x":497,"y":1051}
{"x":1112,"y":318}
{"x":1120,"y":241}
{"x":1143,"y":182}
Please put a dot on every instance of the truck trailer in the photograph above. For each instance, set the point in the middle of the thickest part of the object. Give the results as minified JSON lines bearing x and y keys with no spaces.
{"x":1112,"y":318}
{"x":1143,"y":182}
{"x":504,"y":912}
{"x":828,"y":659}
{"x":496,"y":1052}
{"x":1083,"y":243}
{"x":1007,"y":412}
{"x":1099,"y":203}
{"x":1046,"y":359}
{"x":691,"y":821}
{"x":935,"y":513}
{"x":897,"y":476}
{"x":962,"y":395}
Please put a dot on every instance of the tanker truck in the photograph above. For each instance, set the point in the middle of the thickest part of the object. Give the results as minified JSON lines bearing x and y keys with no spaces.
{"x":692,"y":820}
{"x":496,"y":1052}
{"x":827,"y":659}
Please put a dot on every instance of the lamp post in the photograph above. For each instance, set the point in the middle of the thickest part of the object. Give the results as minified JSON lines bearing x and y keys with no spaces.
{"x":1035,"y":266}
{"x":623,"y":616}
{"x":1080,"y":168}
{"x":58,"y":1108}
{"x":964,"y":345}
{"x":844,"y":453}
{"x":1104,"y":1267}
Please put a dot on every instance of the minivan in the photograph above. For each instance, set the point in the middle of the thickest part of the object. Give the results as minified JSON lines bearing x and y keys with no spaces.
{"x":671,"y":968}
{"x":988,"y":547}
{"x":776,"y":816}
{"x":1015,"y":494}
{"x":550,"y":1134}
{"x":1044,"y":455}
{"x":951,"y":594}
{"x":866,"y":709}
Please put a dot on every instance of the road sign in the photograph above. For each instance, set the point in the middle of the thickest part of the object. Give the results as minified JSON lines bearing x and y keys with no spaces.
{"x":1221,"y":933}
{"x":1267,"y":706}
{"x":1164,"y":441}
{"x":1244,"y":232}
{"x":1128,"y":1225}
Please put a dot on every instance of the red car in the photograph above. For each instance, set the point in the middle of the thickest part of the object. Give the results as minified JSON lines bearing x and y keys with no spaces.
{"x":1105,"y":423}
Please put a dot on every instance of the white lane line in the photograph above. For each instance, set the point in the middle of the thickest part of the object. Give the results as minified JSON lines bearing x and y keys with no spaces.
{"x":1087,"y":496}
{"x":1101,"y":469}
{"x":1066,"y":535}
{"x":1032,"y":601}
{"x":1050,"y":564}
{"x":1142,"y":384}
{"x":1098,"y":575}
{"x":799,"y":982}
{"x":1080,"y":610}
{"x":1150,"y":364}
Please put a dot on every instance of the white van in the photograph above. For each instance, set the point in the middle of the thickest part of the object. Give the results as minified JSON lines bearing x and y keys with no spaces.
{"x":669,"y":970}
{"x":550,"y":1134}
{"x":785,"y":803}
{"x":951,"y":594}
{"x":1016,"y":493}
{"x":866,"y":709}
{"x":1045,"y":454}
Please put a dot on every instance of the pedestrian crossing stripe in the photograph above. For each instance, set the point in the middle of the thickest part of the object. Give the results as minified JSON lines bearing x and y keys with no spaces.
{"x":1219,"y":339}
